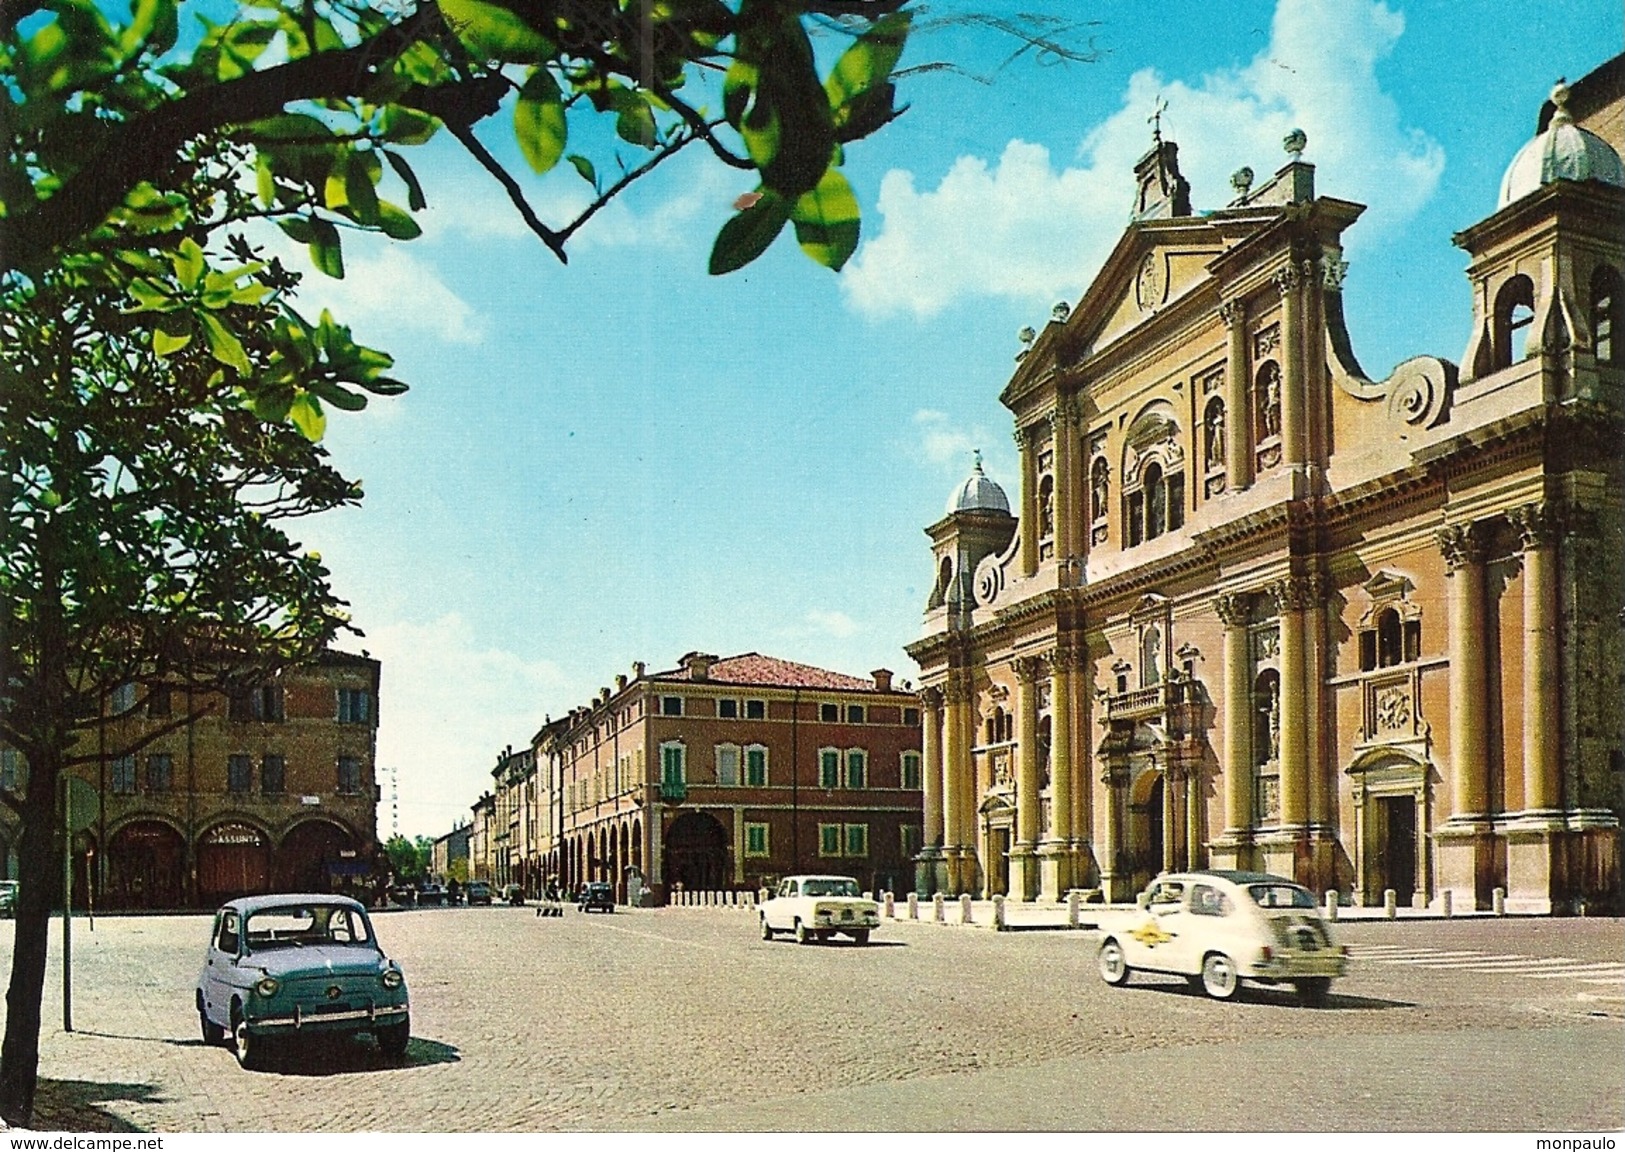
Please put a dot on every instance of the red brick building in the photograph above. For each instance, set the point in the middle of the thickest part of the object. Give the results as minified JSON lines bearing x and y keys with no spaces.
{"x":724,"y":774}
{"x":273,"y":790}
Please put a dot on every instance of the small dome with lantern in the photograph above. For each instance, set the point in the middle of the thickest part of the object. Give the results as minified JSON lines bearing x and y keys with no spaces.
{"x":1564,"y":151}
{"x":978,"y":493}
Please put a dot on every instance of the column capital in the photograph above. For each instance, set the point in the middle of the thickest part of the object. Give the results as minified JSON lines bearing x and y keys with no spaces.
{"x":930,"y":697}
{"x":1031,"y":668}
{"x":1024,"y":438}
{"x":1234,"y":608}
{"x":1286,"y":279}
{"x":1539,"y":524}
{"x":1296,"y":593}
{"x":1334,"y":269}
{"x":1233,"y":313}
{"x":960,"y":687}
{"x":1461,"y":544}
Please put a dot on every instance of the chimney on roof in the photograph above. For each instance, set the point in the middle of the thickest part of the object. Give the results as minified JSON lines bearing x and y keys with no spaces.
{"x":603,"y":695}
{"x":638,"y":668}
{"x":698,"y":665}
{"x":620,"y":681}
{"x":882,"y":679}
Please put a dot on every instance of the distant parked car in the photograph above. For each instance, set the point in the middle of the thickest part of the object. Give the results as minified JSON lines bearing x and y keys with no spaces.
{"x":296,"y":966}
{"x":514,"y":894}
{"x":478,"y":892}
{"x":819,"y":908}
{"x":596,"y":894}
{"x":431,"y":895}
{"x":8,"y":897}
{"x":1217,"y":928}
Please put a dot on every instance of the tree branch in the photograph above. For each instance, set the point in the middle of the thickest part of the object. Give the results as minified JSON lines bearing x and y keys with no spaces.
{"x":554,"y":240}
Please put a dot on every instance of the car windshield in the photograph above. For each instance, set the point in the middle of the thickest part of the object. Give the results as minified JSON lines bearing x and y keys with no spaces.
{"x":829,"y":888}
{"x":1280,"y":896}
{"x":306,"y":925}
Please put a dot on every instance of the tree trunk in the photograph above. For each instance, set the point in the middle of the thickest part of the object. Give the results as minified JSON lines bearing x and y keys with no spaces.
{"x":40,"y":874}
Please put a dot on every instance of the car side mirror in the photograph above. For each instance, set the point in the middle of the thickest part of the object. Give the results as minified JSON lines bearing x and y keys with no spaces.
{"x":1143,"y":900}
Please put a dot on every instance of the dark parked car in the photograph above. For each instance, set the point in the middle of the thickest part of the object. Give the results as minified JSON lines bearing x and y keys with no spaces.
{"x":514,"y":894}
{"x":431,"y":895}
{"x":479,"y":892}
{"x":298,"y":966}
{"x":596,"y":895}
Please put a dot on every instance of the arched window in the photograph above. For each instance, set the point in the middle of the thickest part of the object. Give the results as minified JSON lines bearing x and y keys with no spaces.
{"x":1514,"y":312}
{"x":1390,"y":650}
{"x":1607,"y":314}
{"x":945,"y":576}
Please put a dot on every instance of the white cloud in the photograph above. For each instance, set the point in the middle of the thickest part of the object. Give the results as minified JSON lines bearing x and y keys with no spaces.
{"x":1024,"y":229}
{"x":447,"y":706}
{"x":388,"y":287}
{"x":833,"y":623}
{"x":943,"y":443}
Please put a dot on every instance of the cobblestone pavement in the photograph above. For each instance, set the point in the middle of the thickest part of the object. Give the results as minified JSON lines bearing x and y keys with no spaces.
{"x":682,"y":1018}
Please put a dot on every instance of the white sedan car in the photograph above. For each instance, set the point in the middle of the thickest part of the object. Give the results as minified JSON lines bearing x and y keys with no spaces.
{"x":1216,"y":928}
{"x":817,"y":908}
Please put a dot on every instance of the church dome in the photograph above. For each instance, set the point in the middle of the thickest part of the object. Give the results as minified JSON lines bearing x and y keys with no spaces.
{"x":1565,"y":151}
{"x":978,"y":494}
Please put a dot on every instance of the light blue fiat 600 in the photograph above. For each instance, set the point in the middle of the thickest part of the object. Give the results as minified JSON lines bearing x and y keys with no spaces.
{"x":298,"y":966}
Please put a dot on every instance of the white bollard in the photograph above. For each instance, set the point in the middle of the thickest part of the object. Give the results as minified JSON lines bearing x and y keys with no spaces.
{"x":998,"y":913}
{"x":1390,"y":903}
{"x":937,"y":912}
{"x":1447,"y":902}
{"x":1073,"y":899}
{"x":761,"y":895}
{"x":1498,"y":901}
{"x":965,"y":916}
{"x":891,"y":907}
{"x":1331,"y":904}
{"x":913,"y":906}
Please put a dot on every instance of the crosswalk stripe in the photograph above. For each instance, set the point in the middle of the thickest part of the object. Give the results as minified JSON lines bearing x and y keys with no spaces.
{"x":1615,"y":970}
{"x":1620,"y":979}
{"x":1423,"y":957}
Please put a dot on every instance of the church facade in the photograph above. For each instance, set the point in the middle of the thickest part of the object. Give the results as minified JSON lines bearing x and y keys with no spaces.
{"x":1255,"y":609}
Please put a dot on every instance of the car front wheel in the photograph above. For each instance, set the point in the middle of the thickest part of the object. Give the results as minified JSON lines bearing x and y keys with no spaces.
{"x":250,"y":1048}
{"x":393,"y":1038}
{"x":802,"y":935}
{"x":1114,"y":968}
{"x":1312,"y":991}
{"x":1219,"y":979}
{"x":767,"y":932}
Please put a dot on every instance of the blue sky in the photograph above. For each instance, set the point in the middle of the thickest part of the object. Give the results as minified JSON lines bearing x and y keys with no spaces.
{"x":626,"y":459}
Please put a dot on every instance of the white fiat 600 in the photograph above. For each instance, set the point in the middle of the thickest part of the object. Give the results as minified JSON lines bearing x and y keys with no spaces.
{"x":1216,"y":928}
{"x":818,"y":908}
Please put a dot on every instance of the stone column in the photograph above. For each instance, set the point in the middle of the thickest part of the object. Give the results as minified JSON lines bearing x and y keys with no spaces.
{"x":1193,"y":815}
{"x":1317,"y":768}
{"x":1238,"y":421}
{"x":1114,"y":885}
{"x":1028,"y":526}
{"x":1083,"y":779}
{"x":1534,"y":838}
{"x":1464,"y":839}
{"x":1023,"y":862}
{"x":1056,"y":864}
{"x":954,"y":758}
{"x":928,"y":875}
{"x":1170,"y":809}
{"x":1291,"y":596}
{"x":1061,"y":437}
{"x":1294,"y":440}
{"x":1233,"y":847}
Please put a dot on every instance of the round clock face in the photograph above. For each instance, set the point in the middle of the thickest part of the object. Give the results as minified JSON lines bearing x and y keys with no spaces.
{"x":1151,"y":282}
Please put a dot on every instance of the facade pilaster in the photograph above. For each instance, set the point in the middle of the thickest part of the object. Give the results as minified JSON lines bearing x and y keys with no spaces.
{"x":1233,"y":849}
{"x":1028,"y":525}
{"x":955,"y":765}
{"x":1464,"y":839}
{"x":929,"y":876}
{"x":1294,"y":416}
{"x":1238,"y":445}
{"x":1062,"y":437}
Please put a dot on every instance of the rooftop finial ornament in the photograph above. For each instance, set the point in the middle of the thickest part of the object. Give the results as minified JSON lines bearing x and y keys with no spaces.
{"x":1560,"y":97}
{"x":1242,"y":181}
{"x":1155,"y":119}
{"x":1027,"y":335}
{"x":1295,"y":142}
{"x":1060,"y":312}
{"x":976,"y":457}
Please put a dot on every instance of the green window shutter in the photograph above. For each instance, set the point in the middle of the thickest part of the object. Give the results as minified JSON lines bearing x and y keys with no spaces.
{"x":829,"y":839}
{"x":671,"y":759}
{"x":756,"y":767}
{"x":857,"y":839}
{"x":831,"y":773}
{"x":854,"y":769}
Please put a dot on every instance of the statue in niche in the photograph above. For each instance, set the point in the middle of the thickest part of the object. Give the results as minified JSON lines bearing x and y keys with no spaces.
{"x":1275,"y":727}
{"x":1046,"y":511}
{"x":1215,"y":436}
{"x":1269,"y":405}
{"x":1099,"y":491}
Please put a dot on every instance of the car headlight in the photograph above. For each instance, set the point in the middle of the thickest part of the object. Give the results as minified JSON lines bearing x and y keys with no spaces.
{"x":267,"y":987}
{"x":393,"y":978}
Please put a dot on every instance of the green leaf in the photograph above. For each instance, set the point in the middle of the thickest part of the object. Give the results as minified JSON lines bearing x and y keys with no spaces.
{"x":154,"y":21}
{"x":172,"y":334}
{"x":867,"y":63}
{"x":307,"y":416}
{"x":189,"y":263}
{"x":396,"y":224}
{"x":402,"y":125}
{"x":223,"y":345}
{"x":298,"y":229}
{"x":384,"y":386}
{"x":584,"y":166}
{"x":636,"y":122}
{"x":494,"y":33}
{"x":539,"y":121}
{"x":265,"y":178}
{"x":359,"y":174}
{"x":827,"y":221}
{"x":150,"y":296}
{"x":748,"y":234}
{"x":325,"y":252}
{"x":338,"y":397}
{"x":414,"y":191}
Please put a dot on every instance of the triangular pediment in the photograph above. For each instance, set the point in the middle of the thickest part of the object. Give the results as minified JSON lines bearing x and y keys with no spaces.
{"x":1155,"y":264}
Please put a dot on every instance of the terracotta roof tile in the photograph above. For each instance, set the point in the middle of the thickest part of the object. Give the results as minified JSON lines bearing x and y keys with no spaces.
{"x":772,"y":672}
